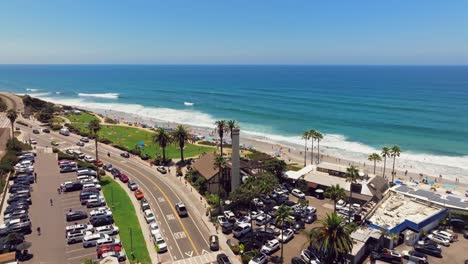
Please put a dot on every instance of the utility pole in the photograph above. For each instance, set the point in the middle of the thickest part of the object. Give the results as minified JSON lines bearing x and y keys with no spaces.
{"x":131,"y":243}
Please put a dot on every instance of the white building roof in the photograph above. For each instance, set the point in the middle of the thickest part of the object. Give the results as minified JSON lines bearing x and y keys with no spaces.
{"x":294,"y":175}
{"x":325,"y":179}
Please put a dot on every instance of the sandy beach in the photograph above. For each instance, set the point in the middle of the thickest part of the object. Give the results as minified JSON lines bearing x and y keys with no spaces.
{"x":295,"y":154}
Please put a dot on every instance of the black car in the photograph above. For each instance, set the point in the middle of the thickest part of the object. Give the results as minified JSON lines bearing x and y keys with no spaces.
{"x":20,"y":195}
{"x":24,"y":179}
{"x":71,"y":187}
{"x":214,"y":243}
{"x":310,"y":218}
{"x":13,"y":200}
{"x":18,"y":187}
{"x":289,"y":203}
{"x":222,"y":259}
{"x":20,"y":228}
{"x":144,"y":157}
{"x":19,"y":203}
{"x":76,"y":215}
{"x":14,"y":239}
{"x":227,"y":228}
{"x":297,"y":260}
{"x":125,"y":155}
{"x":115,"y":172}
{"x":298,"y":226}
{"x":67,"y":169}
{"x":107,"y":167}
{"x":46,"y":130}
{"x":14,"y":207}
{"x":386,"y":258}
{"x":35,"y":131}
{"x":430,"y":249}
{"x":101,"y":220}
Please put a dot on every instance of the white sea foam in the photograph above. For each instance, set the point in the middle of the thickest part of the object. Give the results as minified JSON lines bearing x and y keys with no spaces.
{"x":103,"y":95}
{"x":32,"y":90}
{"x":38,"y":94}
{"x":334,"y":145}
{"x":57,"y":92}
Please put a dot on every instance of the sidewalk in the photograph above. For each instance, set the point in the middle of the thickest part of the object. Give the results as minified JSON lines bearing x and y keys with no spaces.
{"x":144,"y":226}
{"x":197,"y":206}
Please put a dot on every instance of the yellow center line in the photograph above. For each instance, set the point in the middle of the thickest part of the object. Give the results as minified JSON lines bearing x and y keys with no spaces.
{"x":172,"y":208}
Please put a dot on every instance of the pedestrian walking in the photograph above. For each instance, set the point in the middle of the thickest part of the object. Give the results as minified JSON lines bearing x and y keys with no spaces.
{"x":38,"y":231}
{"x":35,"y":177}
{"x":51,"y":202}
{"x":58,"y":190}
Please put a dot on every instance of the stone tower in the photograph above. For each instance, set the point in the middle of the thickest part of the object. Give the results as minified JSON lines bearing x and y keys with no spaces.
{"x":235,"y":160}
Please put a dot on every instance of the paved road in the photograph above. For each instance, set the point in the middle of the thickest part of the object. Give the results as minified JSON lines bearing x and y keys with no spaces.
{"x":186,"y":237}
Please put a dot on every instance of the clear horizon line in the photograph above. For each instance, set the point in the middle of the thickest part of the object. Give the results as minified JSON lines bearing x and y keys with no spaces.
{"x":227,"y":64}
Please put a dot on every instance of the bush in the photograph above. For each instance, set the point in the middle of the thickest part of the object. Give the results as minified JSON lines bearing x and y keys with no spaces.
{"x":235,"y":249}
{"x":109,"y":120}
{"x":56,"y":127}
{"x":105,"y":141}
{"x":16,"y":145}
{"x":55,"y":150}
{"x":3,"y":106}
{"x":102,"y":172}
{"x":208,"y":143}
{"x":62,"y":155}
{"x":120,"y":147}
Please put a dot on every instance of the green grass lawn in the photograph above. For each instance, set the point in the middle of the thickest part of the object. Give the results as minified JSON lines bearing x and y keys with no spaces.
{"x":125,"y":216}
{"x":83,"y":118}
{"x":130,"y":136}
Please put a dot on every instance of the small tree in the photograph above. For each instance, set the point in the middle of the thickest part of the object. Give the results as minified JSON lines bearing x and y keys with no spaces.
{"x":275,"y":167}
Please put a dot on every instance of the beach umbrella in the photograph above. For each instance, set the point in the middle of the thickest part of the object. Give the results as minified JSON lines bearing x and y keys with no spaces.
{"x":250,"y":146}
{"x":141,"y":143}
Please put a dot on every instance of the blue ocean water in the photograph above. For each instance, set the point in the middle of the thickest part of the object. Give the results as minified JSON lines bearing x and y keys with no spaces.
{"x":423,"y":109}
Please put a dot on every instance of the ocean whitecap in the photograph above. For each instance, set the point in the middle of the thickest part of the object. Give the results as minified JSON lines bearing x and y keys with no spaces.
{"x":103,"y":95}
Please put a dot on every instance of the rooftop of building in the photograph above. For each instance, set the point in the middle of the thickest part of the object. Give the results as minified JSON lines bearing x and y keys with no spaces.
{"x":442,"y":199}
{"x":397,"y":208}
{"x":325,"y":179}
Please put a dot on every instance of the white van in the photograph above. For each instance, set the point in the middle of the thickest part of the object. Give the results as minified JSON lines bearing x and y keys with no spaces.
{"x":64,"y":131}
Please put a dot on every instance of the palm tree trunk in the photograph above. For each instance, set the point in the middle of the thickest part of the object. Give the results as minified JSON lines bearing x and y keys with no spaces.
{"x":96,"y":146}
{"x":221,"y":138}
{"x":375,"y":163}
{"x":393,"y":169}
{"x":312,"y":152}
{"x":164,"y":155}
{"x":181,"y":153}
{"x":282,"y":244}
{"x":12,"y":137}
{"x":305,"y":153}
{"x":350,"y":199}
{"x":384,"y":164}
{"x":334,"y":206}
{"x":318,"y":151}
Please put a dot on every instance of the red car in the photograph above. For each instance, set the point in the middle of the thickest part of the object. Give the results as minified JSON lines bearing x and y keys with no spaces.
{"x":99,"y":163}
{"x":139,"y":194}
{"x":123,"y":177}
{"x":107,"y":248}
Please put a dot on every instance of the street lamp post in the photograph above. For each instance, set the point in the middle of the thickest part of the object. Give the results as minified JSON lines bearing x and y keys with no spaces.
{"x":131,"y":243}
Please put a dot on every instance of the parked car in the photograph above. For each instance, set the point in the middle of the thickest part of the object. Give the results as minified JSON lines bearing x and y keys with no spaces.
{"x":84,"y":139}
{"x":161,"y":169}
{"x":107,"y":167}
{"x":91,"y":240}
{"x":181,"y":209}
{"x":214,"y":243}
{"x":154,"y":228}
{"x":76,"y":215}
{"x":222,"y":259}
{"x":132,"y":185}
{"x":46,"y":130}
{"x":67,"y":169}
{"x":35,"y":131}
{"x":107,"y":248}
{"x":125,"y":155}
{"x":139,"y":194}
{"x":110,"y":230}
{"x":298,"y":193}
{"x":270,"y":247}
{"x":160,"y":242}
{"x":108,"y":241}
{"x":80,"y":144}
{"x":144,"y":204}
{"x":309,"y":257}
{"x":101,"y":220}
{"x":286,"y":236}
{"x":124,"y":178}
{"x":429,"y":249}
{"x":227,"y":228}
{"x":99,"y":163}
{"x":76,"y":236}
{"x":443,"y":234}
{"x":415,"y":256}
{"x":439,"y":240}
{"x":149,"y":216}
{"x":222,"y":220}
{"x":121,"y":256}
{"x":78,"y":227}
{"x":297,"y":260}
{"x":54,"y":143}
{"x":259,"y":259}
{"x":243,"y":220}
{"x":230,"y":216}
{"x":241,"y":230}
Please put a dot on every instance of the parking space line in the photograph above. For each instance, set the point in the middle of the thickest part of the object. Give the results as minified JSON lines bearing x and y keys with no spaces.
{"x":75,"y":250}
{"x":81,"y":256}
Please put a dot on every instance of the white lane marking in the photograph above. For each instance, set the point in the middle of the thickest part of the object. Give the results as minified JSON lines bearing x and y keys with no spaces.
{"x":189,"y":254}
{"x":180,"y":235}
{"x":161,"y":199}
{"x":204,"y":252}
{"x":170,"y":217}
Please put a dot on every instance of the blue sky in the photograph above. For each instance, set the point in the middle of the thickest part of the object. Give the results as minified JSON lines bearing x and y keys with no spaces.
{"x":234,"y":32}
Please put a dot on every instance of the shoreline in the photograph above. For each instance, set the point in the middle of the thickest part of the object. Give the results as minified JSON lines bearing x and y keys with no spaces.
{"x":291,"y":154}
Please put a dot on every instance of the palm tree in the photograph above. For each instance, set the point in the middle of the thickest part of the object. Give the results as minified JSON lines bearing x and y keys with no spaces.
{"x":395,"y":152}
{"x":221,"y":127}
{"x":305,"y":136}
{"x":94,"y":127}
{"x":318,"y":137}
{"x":219,"y":163}
{"x":385,"y":153}
{"x":335,"y":193}
{"x":352,"y":175}
{"x":312,"y":137}
{"x":333,"y":238}
{"x":231,"y":124}
{"x":375,"y":158}
{"x":281,"y":216}
{"x":181,"y":136}
{"x":162,"y":138}
{"x":12,"y":115}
